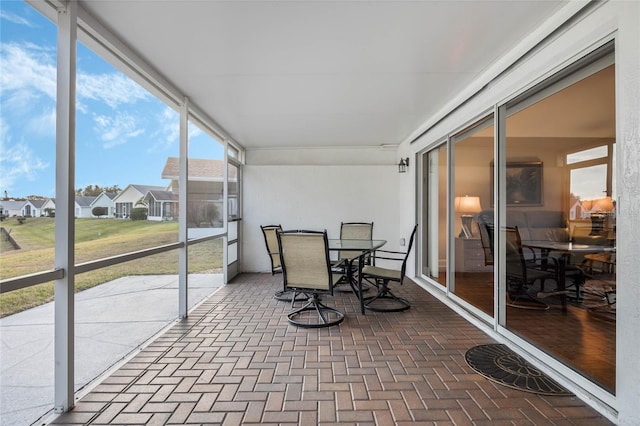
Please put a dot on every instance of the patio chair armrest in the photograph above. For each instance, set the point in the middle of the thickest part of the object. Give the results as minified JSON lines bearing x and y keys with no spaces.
{"x":388,"y":256}
{"x":390,"y":252}
{"x":533,"y":257}
{"x":339,"y":265}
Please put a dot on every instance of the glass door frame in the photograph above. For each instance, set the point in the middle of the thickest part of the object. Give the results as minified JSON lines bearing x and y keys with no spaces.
{"x":232,"y":243}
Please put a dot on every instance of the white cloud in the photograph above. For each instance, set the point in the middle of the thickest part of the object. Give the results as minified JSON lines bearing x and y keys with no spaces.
{"x":43,"y":124}
{"x":30,"y":68}
{"x":17,"y":161}
{"x":168,"y":131}
{"x":12,"y":17}
{"x":27,"y":68}
{"x":116,"y":130}
{"x":113,"y":89}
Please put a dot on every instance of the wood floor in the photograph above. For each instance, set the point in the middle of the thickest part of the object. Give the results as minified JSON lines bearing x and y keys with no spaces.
{"x":583,"y":338}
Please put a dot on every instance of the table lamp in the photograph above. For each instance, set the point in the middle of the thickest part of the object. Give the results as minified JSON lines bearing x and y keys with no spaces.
{"x":466,"y":205}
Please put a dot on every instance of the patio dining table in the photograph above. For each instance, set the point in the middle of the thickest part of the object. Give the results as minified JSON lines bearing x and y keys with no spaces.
{"x":363,"y":247}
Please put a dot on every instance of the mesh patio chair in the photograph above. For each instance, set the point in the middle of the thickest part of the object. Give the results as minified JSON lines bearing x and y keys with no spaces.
{"x":385,"y":300}
{"x":352,"y":231}
{"x":521,"y":273}
{"x":271,"y":242}
{"x":483,"y":218}
{"x":306,"y":268}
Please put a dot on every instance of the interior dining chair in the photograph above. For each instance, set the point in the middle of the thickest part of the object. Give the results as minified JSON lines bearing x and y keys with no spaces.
{"x":271,"y":242}
{"x":306,"y":268}
{"x":482,"y":219}
{"x":385,"y":300}
{"x":574,"y":276}
{"x":352,"y":231}
{"x":521,"y":274}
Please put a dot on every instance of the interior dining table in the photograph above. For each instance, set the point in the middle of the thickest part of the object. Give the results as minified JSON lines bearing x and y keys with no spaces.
{"x":364,"y":247}
{"x":565,"y":248}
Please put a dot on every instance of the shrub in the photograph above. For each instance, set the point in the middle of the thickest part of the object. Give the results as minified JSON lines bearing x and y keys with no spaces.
{"x":139,"y":213}
{"x":100,"y":211}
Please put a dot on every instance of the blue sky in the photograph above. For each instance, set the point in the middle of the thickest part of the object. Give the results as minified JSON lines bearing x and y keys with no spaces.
{"x":123,"y":133}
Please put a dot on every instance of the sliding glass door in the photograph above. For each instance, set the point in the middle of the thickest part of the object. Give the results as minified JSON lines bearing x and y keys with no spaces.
{"x":560,"y":194}
{"x":434,"y":208}
{"x":533,"y":204}
{"x":473,"y":197}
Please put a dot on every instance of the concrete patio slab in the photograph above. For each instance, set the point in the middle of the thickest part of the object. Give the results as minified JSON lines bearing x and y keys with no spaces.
{"x":111,"y":320}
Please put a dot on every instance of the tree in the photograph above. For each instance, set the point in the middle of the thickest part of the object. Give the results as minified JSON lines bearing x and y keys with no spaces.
{"x":95,"y":190}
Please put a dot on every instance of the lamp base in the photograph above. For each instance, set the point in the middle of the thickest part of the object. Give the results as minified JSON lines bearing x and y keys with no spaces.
{"x":466,"y":231}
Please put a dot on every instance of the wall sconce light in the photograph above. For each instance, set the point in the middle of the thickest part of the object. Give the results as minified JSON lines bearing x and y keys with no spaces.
{"x":403,"y":164}
{"x":464,"y":205}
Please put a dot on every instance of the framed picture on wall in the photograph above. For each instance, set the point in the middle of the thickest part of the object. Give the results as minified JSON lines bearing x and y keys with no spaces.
{"x":524,"y":183}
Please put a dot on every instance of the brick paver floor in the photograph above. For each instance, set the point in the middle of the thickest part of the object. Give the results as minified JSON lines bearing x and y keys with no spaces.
{"x":236,"y":360}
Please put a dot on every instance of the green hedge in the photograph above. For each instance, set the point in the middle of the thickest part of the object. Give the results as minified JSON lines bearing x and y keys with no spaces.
{"x":139,"y":213}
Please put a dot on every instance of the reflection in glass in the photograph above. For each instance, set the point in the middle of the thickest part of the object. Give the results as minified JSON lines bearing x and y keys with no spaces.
{"x":205,"y":193}
{"x":434,"y":209}
{"x":234,"y":189}
{"x":473,"y":191}
{"x":577,"y":206}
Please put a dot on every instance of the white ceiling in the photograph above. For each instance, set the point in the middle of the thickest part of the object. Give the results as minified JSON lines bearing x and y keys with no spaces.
{"x":320,"y":73}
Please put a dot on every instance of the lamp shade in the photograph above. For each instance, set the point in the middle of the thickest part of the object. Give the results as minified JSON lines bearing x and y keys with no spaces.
{"x":467,"y":204}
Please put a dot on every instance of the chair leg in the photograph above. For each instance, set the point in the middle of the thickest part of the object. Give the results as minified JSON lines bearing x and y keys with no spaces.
{"x":521,"y":299}
{"x":344,"y":286}
{"x":397,"y":304}
{"x":323,"y":311}
{"x":289,"y":295}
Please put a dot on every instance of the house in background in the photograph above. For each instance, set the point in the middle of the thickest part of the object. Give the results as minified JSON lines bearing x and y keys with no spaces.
{"x":206,"y":189}
{"x":162,"y":205}
{"x":105,"y":199}
{"x":126,"y":200}
{"x":83,"y":205}
{"x":576,"y":211}
{"x":33,"y":207}
{"x":27,"y":208}
{"x":49,"y":205}
{"x":12,"y":208}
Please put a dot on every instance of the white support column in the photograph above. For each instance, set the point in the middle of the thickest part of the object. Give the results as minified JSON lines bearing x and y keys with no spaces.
{"x":183,"y":182}
{"x":64,"y":222}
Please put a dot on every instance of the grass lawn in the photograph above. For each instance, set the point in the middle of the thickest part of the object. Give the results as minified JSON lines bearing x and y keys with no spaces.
{"x":95,"y":239}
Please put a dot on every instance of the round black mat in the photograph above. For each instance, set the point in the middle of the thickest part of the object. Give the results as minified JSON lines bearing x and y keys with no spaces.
{"x":500,"y":364}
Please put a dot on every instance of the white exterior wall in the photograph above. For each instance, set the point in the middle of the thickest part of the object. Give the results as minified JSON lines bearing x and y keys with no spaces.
{"x":34,"y":212}
{"x":82,"y":211}
{"x":318,"y":197}
{"x":104,"y":201}
{"x":49,"y":204}
{"x":129,"y":195}
{"x":619,"y":19}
